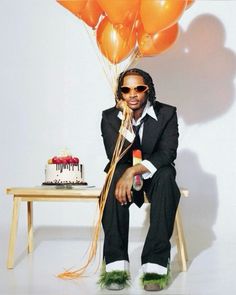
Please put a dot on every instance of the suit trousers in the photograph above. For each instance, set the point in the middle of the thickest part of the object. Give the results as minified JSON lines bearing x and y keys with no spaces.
{"x":163,"y":195}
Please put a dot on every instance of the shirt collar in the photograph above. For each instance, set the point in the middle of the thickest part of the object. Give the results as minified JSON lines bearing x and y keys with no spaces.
{"x":147,"y":110}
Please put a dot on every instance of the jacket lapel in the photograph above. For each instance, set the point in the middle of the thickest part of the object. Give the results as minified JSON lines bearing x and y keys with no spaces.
{"x":151,"y":132}
{"x":115,"y":121}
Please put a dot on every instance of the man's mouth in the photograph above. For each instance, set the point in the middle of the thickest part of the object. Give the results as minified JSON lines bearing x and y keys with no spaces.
{"x":133,"y":102}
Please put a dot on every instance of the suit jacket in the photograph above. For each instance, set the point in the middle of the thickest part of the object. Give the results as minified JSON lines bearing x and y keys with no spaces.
{"x":160,"y":137}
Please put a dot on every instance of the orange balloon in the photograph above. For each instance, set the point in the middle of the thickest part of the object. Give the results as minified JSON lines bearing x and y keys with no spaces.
{"x":138,"y":24}
{"x":74,"y":6}
{"x":120,"y":11}
{"x":157,"y":15}
{"x":145,"y":43}
{"x":91,"y":13}
{"x":163,"y":40}
{"x":189,"y":3}
{"x":115,"y":42}
{"x":150,"y":45}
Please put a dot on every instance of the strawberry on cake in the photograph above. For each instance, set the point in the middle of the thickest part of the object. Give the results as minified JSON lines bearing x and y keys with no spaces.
{"x":64,"y":169}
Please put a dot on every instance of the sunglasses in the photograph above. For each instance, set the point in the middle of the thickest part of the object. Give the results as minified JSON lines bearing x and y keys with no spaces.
{"x":137,"y":89}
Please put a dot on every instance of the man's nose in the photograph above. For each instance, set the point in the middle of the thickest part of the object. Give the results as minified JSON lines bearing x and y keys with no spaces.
{"x":132,"y":93}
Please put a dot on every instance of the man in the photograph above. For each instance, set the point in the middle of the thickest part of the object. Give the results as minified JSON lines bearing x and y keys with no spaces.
{"x":157,"y":137}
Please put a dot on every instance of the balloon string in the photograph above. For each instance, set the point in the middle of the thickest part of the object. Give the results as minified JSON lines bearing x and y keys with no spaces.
{"x":126,"y":124}
{"x":135,"y":55}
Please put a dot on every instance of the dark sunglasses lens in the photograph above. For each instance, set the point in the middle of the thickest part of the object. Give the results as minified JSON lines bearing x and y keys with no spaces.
{"x":125,"y":89}
{"x":141,"y":88}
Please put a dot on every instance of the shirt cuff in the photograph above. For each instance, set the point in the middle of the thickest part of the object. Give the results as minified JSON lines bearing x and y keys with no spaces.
{"x":150,"y":167}
{"x":127,"y":134}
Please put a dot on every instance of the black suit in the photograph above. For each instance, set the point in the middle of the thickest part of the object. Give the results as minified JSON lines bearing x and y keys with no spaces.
{"x":159,"y":145}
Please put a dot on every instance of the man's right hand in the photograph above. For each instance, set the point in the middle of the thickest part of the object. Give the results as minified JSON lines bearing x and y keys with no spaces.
{"x":123,"y":187}
{"x":120,"y":104}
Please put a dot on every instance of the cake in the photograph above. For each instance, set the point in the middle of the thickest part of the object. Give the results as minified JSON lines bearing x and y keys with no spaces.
{"x":64,"y":169}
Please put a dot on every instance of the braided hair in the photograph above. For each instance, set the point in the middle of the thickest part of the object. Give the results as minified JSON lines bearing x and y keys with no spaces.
{"x":151,"y":94}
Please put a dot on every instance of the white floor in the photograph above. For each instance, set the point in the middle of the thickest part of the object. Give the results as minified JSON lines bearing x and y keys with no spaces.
{"x":210,"y":271}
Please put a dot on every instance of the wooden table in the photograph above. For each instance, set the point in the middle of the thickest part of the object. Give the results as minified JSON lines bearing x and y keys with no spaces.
{"x":41,"y":194}
{"x":53,"y":194}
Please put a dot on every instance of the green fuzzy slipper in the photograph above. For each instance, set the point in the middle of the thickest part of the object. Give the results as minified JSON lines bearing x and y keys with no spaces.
{"x":114,"y":280}
{"x":154,"y":281}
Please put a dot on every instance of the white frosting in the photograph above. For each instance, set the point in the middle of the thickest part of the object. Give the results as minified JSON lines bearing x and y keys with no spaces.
{"x":63,"y":173}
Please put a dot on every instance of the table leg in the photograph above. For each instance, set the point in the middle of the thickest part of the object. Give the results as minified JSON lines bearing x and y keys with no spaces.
{"x":30,"y":226}
{"x":13,"y":232}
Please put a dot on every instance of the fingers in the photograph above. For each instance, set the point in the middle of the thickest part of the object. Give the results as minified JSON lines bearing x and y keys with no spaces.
{"x":123,"y":188}
{"x":122,"y":194}
{"x":120,"y":104}
{"x":129,"y":196}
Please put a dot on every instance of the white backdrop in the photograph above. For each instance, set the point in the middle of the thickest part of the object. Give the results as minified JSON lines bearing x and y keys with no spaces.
{"x":53,"y":91}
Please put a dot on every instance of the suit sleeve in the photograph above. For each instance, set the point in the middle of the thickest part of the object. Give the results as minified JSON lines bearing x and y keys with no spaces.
{"x":165,"y":150}
{"x":109,"y":135}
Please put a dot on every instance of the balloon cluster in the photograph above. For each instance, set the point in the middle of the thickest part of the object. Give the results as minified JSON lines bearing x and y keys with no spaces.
{"x":123,"y":26}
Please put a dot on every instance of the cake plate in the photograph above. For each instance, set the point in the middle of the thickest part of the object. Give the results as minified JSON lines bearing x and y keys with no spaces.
{"x":66,"y":185}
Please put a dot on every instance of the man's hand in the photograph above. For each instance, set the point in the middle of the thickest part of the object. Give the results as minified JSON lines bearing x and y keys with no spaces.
{"x":123,"y":187}
{"x":120,"y":104}
{"x":124,"y":184}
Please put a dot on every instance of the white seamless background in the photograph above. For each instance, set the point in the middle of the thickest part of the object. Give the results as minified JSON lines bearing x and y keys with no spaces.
{"x":53,"y":90}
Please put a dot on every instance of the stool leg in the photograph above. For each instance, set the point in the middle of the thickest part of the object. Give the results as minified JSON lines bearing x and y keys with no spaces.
{"x":30,"y":226}
{"x":13,"y":232}
{"x":180,"y":241}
